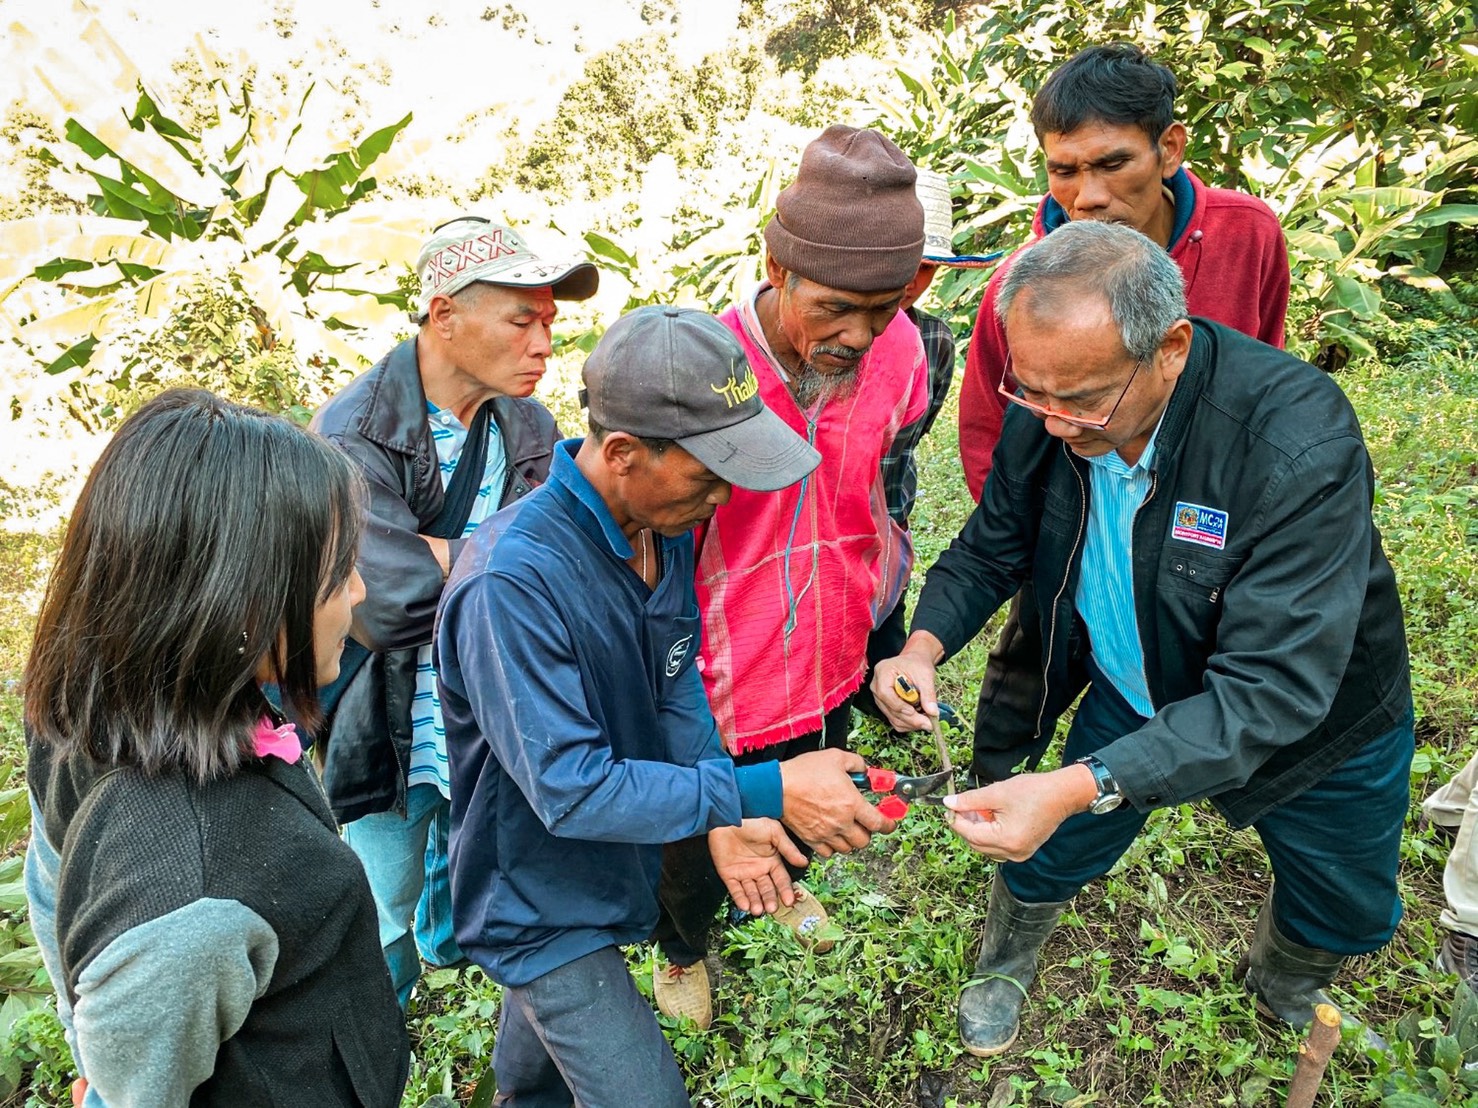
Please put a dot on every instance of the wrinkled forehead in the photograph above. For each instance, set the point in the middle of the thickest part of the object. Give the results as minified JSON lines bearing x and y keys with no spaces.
{"x":845,"y":299}
{"x":1064,"y":308}
{"x":513,"y":299}
{"x":1095,"y":138}
{"x":1080,"y":342}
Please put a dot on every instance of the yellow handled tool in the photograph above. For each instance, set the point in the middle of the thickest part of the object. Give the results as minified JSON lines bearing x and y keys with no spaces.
{"x":910,"y":695}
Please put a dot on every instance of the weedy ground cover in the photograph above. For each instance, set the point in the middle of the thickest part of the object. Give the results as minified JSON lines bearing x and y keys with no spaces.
{"x":1135,"y":1004}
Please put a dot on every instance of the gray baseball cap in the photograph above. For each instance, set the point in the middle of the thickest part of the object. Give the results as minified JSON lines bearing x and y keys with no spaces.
{"x":673,"y":373}
{"x":472,"y":249}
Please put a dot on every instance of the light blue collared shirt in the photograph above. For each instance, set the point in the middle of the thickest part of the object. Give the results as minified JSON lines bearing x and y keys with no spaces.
{"x":428,"y":731}
{"x":1105,"y":596}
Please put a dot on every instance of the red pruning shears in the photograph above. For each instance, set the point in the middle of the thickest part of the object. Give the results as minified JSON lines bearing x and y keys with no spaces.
{"x":901,"y":789}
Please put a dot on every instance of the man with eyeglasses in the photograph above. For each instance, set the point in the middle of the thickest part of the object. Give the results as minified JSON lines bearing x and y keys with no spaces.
{"x":446,"y":433}
{"x":1192,"y":510}
{"x":1114,"y":152}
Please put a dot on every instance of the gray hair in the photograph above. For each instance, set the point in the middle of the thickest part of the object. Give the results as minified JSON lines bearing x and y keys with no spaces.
{"x":1144,"y":289}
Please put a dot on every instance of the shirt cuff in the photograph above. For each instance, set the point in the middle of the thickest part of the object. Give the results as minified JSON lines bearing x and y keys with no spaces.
{"x":760,"y":793}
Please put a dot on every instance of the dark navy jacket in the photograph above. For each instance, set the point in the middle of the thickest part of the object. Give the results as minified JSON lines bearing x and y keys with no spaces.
{"x":577,"y":729}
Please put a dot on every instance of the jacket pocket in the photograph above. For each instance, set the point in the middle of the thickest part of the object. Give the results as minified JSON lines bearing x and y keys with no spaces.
{"x":672,"y":643}
{"x":1062,"y":515}
{"x":1200,"y":574}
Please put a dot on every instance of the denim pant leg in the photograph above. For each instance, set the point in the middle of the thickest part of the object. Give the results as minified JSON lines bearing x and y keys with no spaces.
{"x":393,"y":850}
{"x":1084,"y":847}
{"x":435,"y":935}
{"x":1335,"y":847}
{"x":584,"y":1033}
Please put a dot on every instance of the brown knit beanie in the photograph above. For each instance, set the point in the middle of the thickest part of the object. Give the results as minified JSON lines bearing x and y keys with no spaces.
{"x":850,"y":219}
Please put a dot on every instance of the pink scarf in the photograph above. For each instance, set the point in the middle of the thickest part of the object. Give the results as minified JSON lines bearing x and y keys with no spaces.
{"x":791,"y":583}
{"x":277,"y":742}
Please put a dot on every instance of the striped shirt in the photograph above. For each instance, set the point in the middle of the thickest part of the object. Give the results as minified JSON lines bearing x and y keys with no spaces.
{"x":1105,"y":597}
{"x":900,"y":469}
{"x":428,"y":733}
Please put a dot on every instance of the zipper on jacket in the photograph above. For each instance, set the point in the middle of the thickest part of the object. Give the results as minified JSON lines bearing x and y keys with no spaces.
{"x":1067,"y":574}
{"x":507,"y":485}
{"x":403,"y":785}
{"x":1133,"y":523}
{"x":511,"y":472}
{"x":507,"y":460}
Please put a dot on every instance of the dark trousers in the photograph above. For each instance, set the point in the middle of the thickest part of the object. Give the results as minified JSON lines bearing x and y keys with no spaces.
{"x":1333,"y":848}
{"x":691,"y":892}
{"x":584,"y":1034}
{"x":886,"y":641}
{"x":1009,"y":730}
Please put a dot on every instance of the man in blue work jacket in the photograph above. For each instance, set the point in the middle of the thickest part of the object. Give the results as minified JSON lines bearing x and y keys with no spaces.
{"x":579,"y":736}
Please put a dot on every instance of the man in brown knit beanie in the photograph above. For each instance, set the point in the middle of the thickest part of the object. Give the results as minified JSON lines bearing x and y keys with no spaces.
{"x":791,"y":583}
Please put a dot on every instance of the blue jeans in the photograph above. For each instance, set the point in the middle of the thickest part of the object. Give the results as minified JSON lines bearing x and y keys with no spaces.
{"x":584,"y":1034}
{"x":405,"y":858}
{"x":1336,"y":843}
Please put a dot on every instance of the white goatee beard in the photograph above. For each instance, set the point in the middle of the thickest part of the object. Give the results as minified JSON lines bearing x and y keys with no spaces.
{"x":811,"y":386}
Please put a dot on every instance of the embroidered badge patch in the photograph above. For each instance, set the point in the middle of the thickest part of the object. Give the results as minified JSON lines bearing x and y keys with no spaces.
{"x":1200,"y":525}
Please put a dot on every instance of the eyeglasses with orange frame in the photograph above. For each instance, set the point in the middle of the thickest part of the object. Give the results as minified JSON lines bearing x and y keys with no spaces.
{"x":1092,"y":423}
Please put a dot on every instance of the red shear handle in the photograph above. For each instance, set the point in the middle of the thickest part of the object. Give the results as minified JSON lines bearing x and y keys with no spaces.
{"x":881,"y":780}
{"x":893,"y":807}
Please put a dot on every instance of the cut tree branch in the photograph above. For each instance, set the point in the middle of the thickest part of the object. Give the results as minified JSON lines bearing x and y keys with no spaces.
{"x":1313,"y":1056}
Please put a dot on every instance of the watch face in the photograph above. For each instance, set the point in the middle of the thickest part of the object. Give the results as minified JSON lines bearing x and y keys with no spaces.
{"x":1109,"y":796}
{"x":1106,"y":804}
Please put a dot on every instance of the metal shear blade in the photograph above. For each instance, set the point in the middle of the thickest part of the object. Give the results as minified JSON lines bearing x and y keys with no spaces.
{"x":887,"y":781}
{"x":923,"y":788}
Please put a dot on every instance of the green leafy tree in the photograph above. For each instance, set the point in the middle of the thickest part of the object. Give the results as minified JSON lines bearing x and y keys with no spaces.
{"x":240,"y":202}
{"x":801,"y":34}
{"x":632,"y":103}
{"x":25,"y":135}
{"x":1355,"y":123}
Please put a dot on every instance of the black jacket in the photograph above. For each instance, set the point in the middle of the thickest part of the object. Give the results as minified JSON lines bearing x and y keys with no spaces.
{"x":379,"y":419}
{"x":139,"y":857}
{"x":1269,"y":661}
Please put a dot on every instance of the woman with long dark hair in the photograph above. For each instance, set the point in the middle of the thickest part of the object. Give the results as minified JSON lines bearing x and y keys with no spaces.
{"x":211,"y":938}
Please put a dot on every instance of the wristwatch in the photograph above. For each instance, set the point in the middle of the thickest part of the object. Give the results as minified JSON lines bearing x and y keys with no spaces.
{"x":1108,"y":797}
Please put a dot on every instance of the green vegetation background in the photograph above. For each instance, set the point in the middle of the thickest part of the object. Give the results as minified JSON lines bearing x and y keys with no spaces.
{"x":1355,"y":122}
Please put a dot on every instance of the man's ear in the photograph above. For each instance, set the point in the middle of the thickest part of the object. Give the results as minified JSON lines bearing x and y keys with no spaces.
{"x":1172,"y":149}
{"x":439,"y":314}
{"x":619,"y":452}
{"x":920,"y":283}
{"x":775,"y":273}
{"x":1175,"y":348}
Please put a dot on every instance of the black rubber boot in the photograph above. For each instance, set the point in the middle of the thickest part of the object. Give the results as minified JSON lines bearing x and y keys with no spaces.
{"x":990,"y":1005}
{"x":1287,"y":980}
